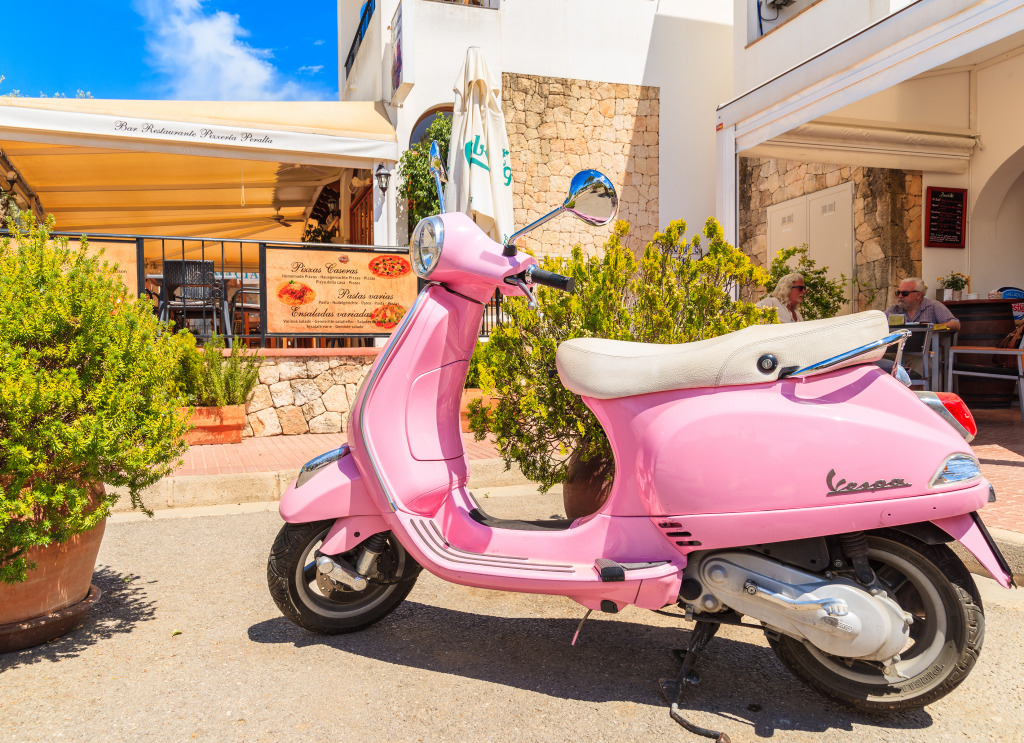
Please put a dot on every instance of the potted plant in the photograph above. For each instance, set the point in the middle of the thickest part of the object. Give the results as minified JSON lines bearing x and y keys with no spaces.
{"x":217,"y":385}
{"x":87,"y":396}
{"x":954,"y":285}
{"x":676,"y":292}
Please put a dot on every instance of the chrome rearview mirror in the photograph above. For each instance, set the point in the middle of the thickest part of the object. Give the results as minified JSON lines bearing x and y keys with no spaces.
{"x":591,"y":198}
{"x":437,"y":170}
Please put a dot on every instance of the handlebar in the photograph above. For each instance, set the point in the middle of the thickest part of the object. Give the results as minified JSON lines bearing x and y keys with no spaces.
{"x":536,"y":275}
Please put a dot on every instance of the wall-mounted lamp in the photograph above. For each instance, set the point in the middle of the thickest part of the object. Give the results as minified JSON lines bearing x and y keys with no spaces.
{"x":383,"y":178}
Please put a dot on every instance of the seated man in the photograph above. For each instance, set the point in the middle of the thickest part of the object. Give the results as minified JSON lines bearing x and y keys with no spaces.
{"x":911,"y":301}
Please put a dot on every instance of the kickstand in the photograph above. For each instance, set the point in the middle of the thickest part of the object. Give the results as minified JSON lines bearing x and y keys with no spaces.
{"x":673,"y":688}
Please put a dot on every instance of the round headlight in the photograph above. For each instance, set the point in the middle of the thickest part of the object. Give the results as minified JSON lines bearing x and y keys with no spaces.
{"x":425,"y":246}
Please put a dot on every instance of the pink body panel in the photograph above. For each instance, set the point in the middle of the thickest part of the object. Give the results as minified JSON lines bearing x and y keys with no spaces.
{"x":774,"y":446}
{"x":729,"y":466}
{"x":349,"y":532}
{"x":336,"y":490}
{"x":472,"y":263}
{"x":967,"y":532}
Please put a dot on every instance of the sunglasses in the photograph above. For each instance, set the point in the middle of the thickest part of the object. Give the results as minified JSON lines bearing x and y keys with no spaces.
{"x":801,"y":287}
{"x":908,"y":293}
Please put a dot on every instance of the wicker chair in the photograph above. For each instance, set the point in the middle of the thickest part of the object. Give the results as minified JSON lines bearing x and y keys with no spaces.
{"x":192,"y":289}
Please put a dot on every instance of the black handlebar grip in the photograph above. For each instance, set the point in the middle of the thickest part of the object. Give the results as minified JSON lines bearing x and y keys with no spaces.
{"x":554,"y":280}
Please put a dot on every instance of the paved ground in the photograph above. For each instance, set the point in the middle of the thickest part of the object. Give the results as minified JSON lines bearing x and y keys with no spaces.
{"x":999,"y":447}
{"x":186,"y":645}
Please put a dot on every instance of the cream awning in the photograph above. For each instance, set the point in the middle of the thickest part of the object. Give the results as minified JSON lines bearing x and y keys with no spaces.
{"x":216,"y":169}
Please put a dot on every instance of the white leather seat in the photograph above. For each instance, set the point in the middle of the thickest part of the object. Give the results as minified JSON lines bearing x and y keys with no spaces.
{"x":604,"y":369}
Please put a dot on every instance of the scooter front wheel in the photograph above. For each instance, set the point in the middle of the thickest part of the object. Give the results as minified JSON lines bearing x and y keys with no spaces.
{"x":931,"y":583}
{"x":321,"y":607}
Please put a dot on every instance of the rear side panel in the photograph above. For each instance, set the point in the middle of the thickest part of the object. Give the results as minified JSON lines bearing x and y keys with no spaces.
{"x":852,"y":436}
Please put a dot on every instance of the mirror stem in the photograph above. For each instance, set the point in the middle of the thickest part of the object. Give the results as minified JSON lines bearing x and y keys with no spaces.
{"x":510,"y":247}
{"x":440,"y":189}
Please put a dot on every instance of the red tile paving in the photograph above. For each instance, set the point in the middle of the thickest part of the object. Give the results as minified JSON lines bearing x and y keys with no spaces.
{"x":273,"y":453}
{"x":999,"y":447}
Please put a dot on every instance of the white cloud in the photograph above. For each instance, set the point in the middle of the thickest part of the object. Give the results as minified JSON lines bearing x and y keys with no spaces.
{"x":202,"y":56}
{"x":318,"y":42}
{"x":311,"y":69}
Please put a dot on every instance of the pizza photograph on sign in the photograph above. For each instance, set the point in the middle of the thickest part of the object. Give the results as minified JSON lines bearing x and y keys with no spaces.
{"x":336,"y":292}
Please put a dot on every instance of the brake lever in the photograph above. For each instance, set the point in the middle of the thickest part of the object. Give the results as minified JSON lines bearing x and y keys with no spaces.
{"x":531,"y":301}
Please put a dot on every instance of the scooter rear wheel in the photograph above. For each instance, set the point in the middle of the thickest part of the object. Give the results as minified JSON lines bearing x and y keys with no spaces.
{"x":930,"y":582}
{"x":292,"y":579}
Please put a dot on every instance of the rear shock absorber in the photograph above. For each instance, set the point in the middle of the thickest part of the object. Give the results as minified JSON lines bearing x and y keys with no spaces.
{"x":372,"y":549}
{"x":855,"y":546}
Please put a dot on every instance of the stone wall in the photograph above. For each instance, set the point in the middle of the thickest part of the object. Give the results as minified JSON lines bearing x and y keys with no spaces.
{"x":305,"y":393}
{"x":557,"y":127}
{"x":886,"y":221}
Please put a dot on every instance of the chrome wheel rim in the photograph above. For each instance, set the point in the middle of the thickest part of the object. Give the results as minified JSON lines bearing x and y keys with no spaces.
{"x":340,"y":604}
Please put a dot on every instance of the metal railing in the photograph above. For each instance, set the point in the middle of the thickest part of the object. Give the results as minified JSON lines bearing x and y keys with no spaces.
{"x":364,"y":23}
{"x":212,"y":285}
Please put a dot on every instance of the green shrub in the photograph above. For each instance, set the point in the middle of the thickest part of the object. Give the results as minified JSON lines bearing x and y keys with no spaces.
{"x":669,"y":296}
{"x":824,"y":296}
{"x":416,"y":185}
{"x":211,"y":379}
{"x":87,"y":392}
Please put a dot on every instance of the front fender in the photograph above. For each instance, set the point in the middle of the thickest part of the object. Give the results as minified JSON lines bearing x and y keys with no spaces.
{"x":335,"y":491}
{"x":969,"y":530}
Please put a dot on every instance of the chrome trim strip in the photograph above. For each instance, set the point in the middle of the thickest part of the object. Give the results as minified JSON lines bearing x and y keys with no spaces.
{"x":314,"y":465}
{"x":900,"y":336}
{"x":448,"y":545}
{"x":382,"y":362}
{"x":481,"y":560}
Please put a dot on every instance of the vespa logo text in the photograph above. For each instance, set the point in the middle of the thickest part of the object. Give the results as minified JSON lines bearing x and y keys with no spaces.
{"x":843,"y":487}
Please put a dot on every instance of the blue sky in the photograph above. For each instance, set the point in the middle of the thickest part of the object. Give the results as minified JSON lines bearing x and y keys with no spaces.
{"x":171,"y":49}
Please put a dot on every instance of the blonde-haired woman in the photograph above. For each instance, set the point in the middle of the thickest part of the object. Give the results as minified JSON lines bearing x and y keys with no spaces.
{"x":786,"y":298}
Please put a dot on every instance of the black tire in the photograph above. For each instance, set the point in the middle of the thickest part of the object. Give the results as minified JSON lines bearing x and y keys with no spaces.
{"x":931,"y":583}
{"x":291,"y":576}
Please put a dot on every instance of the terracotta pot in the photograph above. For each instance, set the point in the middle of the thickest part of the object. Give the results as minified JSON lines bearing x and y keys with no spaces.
{"x":216,"y":425}
{"x":587,"y":485}
{"x":55,"y":596}
{"x":468,"y":395}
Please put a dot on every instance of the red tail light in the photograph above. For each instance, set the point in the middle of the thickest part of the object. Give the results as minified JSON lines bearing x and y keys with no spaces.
{"x":958,"y":409}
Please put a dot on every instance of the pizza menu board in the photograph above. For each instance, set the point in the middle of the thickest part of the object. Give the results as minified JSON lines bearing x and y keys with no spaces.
{"x":946,"y":218}
{"x":336,"y":292}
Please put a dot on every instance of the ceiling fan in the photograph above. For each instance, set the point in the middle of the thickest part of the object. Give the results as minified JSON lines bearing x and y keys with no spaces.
{"x":279,"y":218}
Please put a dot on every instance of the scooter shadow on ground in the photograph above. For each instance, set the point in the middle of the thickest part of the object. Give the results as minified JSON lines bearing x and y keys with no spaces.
{"x":742,"y":684}
{"x":125,"y":603}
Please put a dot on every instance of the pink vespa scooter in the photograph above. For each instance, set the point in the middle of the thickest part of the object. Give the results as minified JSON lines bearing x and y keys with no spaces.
{"x":832,"y":539}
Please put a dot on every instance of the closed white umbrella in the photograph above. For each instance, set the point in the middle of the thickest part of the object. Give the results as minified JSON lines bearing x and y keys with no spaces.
{"x":479,"y":171}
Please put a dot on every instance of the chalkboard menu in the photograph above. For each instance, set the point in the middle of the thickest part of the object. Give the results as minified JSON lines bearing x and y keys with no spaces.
{"x":945,"y":218}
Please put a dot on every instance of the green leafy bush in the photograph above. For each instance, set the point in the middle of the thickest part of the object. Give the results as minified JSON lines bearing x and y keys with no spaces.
{"x":87,"y":392}
{"x":824,"y":296}
{"x":211,"y":379}
{"x":668,"y":296}
{"x":416,"y":185}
